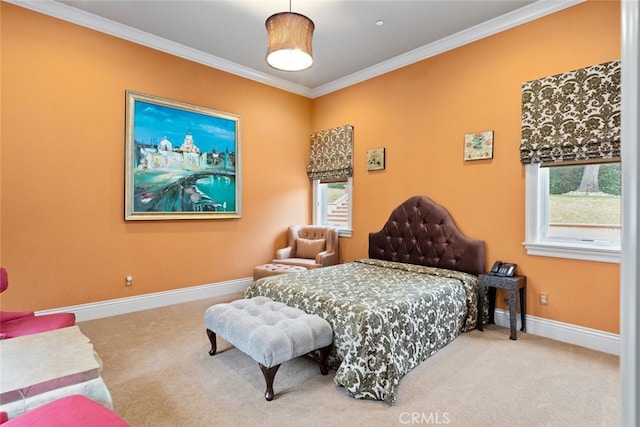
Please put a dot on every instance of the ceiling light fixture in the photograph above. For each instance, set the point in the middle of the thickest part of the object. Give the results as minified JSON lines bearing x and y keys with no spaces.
{"x":289,"y":36}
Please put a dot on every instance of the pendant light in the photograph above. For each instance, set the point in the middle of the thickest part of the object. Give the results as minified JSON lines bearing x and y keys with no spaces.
{"x":289,"y":37}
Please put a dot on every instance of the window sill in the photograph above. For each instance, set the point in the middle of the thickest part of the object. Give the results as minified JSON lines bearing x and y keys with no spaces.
{"x":345,"y":232}
{"x":585,"y":252}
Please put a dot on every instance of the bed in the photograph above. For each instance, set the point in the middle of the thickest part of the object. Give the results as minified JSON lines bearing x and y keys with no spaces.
{"x":414,"y":294}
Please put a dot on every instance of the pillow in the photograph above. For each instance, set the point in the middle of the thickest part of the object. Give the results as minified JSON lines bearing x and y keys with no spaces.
{"x":307,"y":248}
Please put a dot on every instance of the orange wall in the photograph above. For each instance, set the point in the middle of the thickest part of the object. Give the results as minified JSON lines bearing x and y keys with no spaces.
{"x":64,"y":239}
{"x":421,"y":113}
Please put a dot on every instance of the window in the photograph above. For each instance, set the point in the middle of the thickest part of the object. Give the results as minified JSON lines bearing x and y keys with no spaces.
{"x":330,"y":171}
{"x":571,"y":148}
{"x":574,"y":211}
{"x":332,"y":204}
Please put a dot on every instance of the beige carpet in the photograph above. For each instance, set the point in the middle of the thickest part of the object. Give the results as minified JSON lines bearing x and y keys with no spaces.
{"x":159,"y":372}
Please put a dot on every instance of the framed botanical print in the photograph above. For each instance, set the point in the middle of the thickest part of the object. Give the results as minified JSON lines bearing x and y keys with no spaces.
{"x":375,"y":159}
{"x":478,"y":145}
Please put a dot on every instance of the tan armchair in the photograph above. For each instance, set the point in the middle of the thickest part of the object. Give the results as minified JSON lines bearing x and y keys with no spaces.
{"x":309,"y":246}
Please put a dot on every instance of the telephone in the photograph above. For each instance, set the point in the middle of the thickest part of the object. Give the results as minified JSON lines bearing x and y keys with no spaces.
{"x":503,"y":269}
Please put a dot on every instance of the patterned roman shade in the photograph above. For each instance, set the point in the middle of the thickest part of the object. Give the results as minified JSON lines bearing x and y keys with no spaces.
{"x":331,"y":155}
{"x":572,"y":117}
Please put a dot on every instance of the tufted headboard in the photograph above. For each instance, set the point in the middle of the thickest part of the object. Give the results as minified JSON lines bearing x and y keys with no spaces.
{"x":422,"y":232}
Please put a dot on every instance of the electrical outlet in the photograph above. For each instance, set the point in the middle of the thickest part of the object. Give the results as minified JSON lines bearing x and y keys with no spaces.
{"x":544,"y":299}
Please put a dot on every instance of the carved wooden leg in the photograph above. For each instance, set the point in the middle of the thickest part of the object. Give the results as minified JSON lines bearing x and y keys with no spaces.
{"x":324,"y":355}
{"x":269,"y":375}
{"x":212,"y":338}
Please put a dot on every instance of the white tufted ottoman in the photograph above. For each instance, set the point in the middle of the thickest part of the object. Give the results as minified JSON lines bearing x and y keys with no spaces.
{"x":270,"y":332}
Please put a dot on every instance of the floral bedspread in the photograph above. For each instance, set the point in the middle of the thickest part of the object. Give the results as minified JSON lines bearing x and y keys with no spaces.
{"x":387,"y":317}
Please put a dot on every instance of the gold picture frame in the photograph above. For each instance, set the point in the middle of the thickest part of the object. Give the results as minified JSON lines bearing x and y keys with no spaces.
{"x":375,"y":159}
{"x":182,"y":161}
{"x":478,"y":145}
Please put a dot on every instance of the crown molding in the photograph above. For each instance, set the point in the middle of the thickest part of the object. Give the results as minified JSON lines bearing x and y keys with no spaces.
{"x":518,"y":17}
{"x":107,"y":26}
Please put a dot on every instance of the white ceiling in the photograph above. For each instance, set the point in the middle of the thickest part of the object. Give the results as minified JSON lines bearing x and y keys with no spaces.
{"x":348,"y":46}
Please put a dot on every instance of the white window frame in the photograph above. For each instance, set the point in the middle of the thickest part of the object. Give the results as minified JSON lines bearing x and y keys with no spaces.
{"x":319,"y":206}
{"x":537,"y":184}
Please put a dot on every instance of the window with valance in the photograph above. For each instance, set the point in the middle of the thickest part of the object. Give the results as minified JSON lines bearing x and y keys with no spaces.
{"x":572,"y":117}
{"x":331,"y":173}
{"x":571,"y":123}
{"x":331,"y":156}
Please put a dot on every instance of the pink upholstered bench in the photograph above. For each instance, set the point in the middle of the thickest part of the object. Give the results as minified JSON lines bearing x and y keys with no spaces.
{"x":272,"y":269}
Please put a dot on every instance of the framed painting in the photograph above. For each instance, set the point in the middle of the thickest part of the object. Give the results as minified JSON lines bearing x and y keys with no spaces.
{"x":375,"y":159}
{"x":478,"y":145}
{"x":181,"y":162}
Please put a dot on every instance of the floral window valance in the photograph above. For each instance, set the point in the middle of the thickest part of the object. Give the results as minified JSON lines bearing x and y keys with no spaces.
{"x":572,"y":117}
{"x":331,"y":155}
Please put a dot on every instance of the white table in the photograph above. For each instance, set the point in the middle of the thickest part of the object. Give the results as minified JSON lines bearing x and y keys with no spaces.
{"x":38,"y":368}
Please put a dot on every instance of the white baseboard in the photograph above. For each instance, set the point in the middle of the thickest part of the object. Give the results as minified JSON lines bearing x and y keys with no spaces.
{"x":565,"y":332}
{"x":118,"y":306}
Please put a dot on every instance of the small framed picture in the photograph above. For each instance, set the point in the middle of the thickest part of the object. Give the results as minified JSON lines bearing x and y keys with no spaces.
{"x":478,"y":145}
{"x":375,"y":159}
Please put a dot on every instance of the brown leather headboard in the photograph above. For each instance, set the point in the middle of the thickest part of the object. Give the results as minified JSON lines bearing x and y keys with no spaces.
{"x":422,"y":232}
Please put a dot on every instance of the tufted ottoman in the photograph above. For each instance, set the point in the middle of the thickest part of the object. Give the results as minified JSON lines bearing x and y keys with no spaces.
{"x":272,"y":269}
{"x":270,"y":332}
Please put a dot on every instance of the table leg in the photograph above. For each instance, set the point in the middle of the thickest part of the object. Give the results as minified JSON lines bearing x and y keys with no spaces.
{"x":523,"y":309}
{"x":492,"y":304}
{"x":512,"y":314}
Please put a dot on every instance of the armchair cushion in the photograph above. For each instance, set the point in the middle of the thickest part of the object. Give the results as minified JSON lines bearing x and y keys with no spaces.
{"x":36,"y":324}
{"x":6,"y":316}
{"x":308,"y":248}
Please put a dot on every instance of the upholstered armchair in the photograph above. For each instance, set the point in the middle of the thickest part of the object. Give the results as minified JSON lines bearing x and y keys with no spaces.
{"x":309,"y":246}
{"x":16,"y":324}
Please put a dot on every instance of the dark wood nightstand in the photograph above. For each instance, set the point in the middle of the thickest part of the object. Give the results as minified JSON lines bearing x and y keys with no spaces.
{"x":512,"y":284}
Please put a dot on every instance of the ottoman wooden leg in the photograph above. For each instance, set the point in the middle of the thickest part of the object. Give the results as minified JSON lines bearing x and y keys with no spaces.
{"x":269,"y":375}
{"x":212,"y":338}
{"x":324,"y":355}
